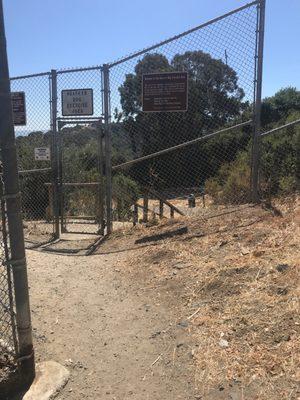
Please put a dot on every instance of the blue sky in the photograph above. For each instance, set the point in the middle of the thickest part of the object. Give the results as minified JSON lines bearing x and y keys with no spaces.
{"x":45,"y":34}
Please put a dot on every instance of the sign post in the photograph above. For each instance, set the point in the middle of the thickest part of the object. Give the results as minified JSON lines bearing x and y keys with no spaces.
{"x":165,"y":92}
{"x":77,"y":102}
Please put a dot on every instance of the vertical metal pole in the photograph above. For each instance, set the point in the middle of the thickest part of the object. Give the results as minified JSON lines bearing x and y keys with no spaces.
{"x":108,"y":174}
{"x":60,"y":180}
{"x":258,"y":100}
{"x":101,"y":183}
{"x":14,"y":219}
{"x":54,"y":151}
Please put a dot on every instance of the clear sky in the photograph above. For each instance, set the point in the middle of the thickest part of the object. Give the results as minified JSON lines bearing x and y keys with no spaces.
{"x":45,"y":34}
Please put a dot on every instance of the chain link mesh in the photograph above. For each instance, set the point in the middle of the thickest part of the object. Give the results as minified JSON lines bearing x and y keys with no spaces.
{"x":174,"y":160}
{"x":279,"y":169}
{"x":8,"y":341}
{"x":80,"y":156}
{"x":220,"y":59}
{"x":35,"y":175}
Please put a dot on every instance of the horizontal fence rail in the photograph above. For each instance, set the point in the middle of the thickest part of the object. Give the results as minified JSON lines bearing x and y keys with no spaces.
{"x":280,"y":128}
{"x":180,"y":146}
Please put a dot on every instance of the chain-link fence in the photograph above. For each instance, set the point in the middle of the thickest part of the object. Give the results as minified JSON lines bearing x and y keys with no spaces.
{"x":205,"y":150}
{"x":35,"y":173}
{"x":8,"y":336}
{"x":123,"y":163}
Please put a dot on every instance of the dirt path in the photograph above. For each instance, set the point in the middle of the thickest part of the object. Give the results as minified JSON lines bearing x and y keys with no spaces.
{"x":118,"y":340}
{"x":186,"y":309}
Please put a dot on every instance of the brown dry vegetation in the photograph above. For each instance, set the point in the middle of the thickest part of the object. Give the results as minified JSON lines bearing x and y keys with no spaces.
{"x":235,"y":279}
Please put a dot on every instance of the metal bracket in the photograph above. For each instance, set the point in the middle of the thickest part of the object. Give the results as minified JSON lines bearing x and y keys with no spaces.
{"x":61,"y":121}
{"x":15,"y":263}
{"x":11,"y":196}
{"x":23,"y":358}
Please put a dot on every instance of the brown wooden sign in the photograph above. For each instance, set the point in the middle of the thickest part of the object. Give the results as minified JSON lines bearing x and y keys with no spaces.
{"x":165,"y":91}
{"x":18,"y":108}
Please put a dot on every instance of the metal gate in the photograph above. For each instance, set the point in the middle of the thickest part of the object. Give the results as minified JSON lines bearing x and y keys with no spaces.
{"x":80,"y":161}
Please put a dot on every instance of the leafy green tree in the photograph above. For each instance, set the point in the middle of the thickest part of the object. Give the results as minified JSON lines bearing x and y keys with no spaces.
{"x":215,"y":100}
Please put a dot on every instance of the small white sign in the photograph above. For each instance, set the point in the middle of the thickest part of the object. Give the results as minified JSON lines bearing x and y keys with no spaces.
{"x":42,"y":154}
{"x":77,"y":102}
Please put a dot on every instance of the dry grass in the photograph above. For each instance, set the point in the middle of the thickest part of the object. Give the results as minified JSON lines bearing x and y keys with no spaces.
{"x":232,"y":281}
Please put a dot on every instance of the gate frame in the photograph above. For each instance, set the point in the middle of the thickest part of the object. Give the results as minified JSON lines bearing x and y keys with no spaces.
{"x":61,"y":122}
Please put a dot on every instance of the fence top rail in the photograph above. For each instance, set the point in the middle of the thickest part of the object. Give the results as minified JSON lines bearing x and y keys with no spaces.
{"x":79,"y":69}
{"x":58,"y":71}
{"x":138,"y":53}
{"x":30,"y":76}
{"x":196,"y":28}
{"x":279,"y":128}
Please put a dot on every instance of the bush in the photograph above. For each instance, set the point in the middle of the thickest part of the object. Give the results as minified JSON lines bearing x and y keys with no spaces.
{"x":288,"y":184}
{"x":232,"y":183}
{"x":125,"y":192}
{"x":280,"y":168}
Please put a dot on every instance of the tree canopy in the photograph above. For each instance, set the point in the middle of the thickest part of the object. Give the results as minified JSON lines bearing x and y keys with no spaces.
{"x":215,"y":100}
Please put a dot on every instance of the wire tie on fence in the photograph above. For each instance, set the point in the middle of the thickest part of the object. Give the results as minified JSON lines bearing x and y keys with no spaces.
{"x":11,"y":196}
{"x":23,"y":358}
{"x":8,"y":147}
{"x":16,"y":263}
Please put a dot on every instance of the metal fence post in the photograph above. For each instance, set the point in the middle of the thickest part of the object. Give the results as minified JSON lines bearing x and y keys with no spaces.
{"x":258,"y":101}
{"x":108,"y":174}
{"x":15,"y":227}
{"x":54,"y":159}
{"x":100,"y":208}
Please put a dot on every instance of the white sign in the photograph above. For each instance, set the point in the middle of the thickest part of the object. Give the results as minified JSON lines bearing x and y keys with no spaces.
{"x":77,"y":102}
{"x":42,"y":154}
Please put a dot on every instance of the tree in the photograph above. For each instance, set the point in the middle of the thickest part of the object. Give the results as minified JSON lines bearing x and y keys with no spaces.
{"x":215,"y":100}
{"x":277,"y":107}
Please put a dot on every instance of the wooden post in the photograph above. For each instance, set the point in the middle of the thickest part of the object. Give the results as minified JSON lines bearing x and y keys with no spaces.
{"x":135,"y":214}
{"x":161,"y":209}
{"x":49,"y":210}
{"x":145,"y":210}
{"x":171,"y":212}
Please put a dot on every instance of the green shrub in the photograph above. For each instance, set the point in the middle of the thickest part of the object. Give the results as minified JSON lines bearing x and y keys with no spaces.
{"x":125,"y":192}
{"x":288,"y":184}
{"x":232,"y":183}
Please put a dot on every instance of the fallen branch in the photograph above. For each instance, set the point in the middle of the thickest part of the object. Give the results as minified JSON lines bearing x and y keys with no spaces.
{"x":155,"y":361}
{"x":196,"y":312}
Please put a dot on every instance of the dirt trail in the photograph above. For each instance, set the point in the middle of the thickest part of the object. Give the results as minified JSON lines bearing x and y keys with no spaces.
{"x":118,"y":340}
{"x":189,"y":308}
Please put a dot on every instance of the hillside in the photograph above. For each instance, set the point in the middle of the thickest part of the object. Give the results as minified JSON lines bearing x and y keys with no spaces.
{"x":234,"y":283}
